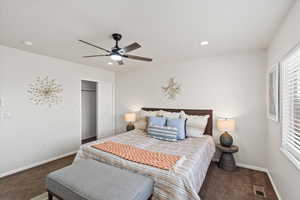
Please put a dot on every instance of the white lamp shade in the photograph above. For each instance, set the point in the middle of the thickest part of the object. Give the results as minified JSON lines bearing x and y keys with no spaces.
{"x":226,"y":124}
{"x":130,"y":117}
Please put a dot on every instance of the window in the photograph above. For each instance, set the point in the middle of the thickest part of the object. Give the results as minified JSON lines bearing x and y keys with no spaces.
{"x":290,"y":98}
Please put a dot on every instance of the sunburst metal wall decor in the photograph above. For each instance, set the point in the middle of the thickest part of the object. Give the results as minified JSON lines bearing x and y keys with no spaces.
{"x":172,"y":89}
{"x":45,"y":91}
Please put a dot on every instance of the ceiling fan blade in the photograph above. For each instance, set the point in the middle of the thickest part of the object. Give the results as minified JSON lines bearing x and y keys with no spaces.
{"x":120,"y":62}
{"x":137,"y":57}
{"x":95,"y":56}
{"x":130,"y":47}
{"x":94,"y":46}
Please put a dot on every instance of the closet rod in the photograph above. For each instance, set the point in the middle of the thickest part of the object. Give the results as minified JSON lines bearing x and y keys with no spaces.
{"x":88,"y":90}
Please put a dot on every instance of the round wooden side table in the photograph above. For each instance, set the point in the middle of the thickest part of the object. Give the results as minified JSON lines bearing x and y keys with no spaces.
{"x":227,"y":161}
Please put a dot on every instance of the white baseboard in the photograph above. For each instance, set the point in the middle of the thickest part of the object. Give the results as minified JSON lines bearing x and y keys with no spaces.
{"x":274,"y":186}
{"x":248,"y":166}
{"x":35,"y":164}
{"x":261,"y":169}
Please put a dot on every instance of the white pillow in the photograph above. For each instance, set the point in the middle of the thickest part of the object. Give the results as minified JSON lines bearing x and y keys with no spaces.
{"x":142,"y":114}
{"x":141,"y":118}
{"x":169,"y":114}
{"x":140,"y":124}
{"x":195,"y":124}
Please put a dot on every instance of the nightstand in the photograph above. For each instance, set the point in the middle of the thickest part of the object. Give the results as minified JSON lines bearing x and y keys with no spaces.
{"x":227,"y":161}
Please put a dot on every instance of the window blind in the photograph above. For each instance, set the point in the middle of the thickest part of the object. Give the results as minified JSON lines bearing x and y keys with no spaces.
{"x":290,"y":97}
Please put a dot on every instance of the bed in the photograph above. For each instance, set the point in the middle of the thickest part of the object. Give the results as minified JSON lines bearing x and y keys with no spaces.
{"x":184,"y":181}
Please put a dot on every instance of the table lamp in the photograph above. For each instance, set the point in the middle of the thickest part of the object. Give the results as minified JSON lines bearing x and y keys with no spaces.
{"x":226,"y":125}
{"x":130,"y":117}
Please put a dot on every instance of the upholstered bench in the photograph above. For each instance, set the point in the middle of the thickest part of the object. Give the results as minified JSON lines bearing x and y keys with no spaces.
{"x":93,"y":180}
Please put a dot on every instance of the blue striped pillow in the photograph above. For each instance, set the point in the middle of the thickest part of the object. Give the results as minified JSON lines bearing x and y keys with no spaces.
{"x":163,"y":133}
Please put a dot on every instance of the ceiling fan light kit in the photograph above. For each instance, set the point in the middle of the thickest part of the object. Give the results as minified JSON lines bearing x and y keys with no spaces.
{"x":116,"y":53}
{"x":116,"y":57}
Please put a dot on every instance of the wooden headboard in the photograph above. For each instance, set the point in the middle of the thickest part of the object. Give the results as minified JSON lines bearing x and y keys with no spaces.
{"x":209,"y":127}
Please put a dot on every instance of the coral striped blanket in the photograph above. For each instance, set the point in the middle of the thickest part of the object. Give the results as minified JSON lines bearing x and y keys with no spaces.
{"x":129,"y":152}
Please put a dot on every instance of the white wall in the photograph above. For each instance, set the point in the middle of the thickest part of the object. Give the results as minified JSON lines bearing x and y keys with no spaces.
{"x":88,"y":109}
{"x":37,"y":133}
{"x":231,"y":85}
{"x":285,"y":175}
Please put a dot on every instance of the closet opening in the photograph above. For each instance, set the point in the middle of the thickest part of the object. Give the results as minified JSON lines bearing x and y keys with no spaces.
{"x":88,"y":111}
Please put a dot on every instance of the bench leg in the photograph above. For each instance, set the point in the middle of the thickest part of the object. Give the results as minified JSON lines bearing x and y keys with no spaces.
{"x":50,"y":196}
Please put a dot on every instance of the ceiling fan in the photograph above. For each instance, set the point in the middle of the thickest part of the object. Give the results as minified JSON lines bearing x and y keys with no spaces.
{"x":117,"y":53}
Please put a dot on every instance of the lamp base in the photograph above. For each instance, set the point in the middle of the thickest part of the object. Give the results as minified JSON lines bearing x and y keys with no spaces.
{"x":130,"y":127}
{"x":226,"y":139}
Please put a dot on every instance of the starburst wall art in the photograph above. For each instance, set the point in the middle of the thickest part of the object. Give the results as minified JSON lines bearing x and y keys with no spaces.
{"x":172,"y":89}
{"x":45,"y":91}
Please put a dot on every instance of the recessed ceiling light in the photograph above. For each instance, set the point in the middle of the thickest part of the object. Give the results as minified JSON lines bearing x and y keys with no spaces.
{"x":203,"y":43}
{"x":109,"y":63}
{"x":28,"y":43}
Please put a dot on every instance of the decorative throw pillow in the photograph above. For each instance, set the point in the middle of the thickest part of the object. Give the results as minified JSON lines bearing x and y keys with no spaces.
{"x":178,"y":123}
{"x":195,"y":124}
{"x":141,"y":119}
{"x":156,"y":121}
{"x":163,"y":133}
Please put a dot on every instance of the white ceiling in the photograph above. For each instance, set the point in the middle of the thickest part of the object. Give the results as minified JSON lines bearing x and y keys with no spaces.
{"x":168,"y":30}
